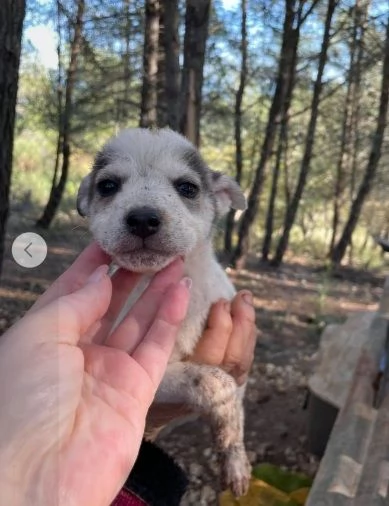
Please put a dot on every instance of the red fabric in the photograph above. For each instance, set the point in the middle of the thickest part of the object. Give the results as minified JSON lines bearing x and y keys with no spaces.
{"x":126,"y":498}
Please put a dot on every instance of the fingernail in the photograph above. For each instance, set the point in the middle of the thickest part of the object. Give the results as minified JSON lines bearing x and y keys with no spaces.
{"x":112,"y":269}
{"x":97,"y":275}
{"x":248,"y":298}
{"x":187,"y":282}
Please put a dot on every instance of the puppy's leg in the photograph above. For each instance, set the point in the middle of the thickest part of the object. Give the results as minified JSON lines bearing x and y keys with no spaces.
{"x":214,"y":393}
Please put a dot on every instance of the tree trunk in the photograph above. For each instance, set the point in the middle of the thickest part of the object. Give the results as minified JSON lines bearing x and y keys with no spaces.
{"x":59,"y":97}
{"x":362,"y":20}
{"x":238,"y":125}
{"x":169,"y":66}
{"x":344,"y":152}
{"x":148,"y":108}
{"x":123,"y":113}
{"x":171,"y":44}
{"x":161,"y":68}
{"x":65,"y":135}
{"x":270,"y":135}
{"x":286,"y":167}
{"x":362,"y":13}
{"x":346,"y":165}
{"x":292,"y":209}
{"x":11,"y":25}
{"x":372,"y":164}
{"x":196,"y":34}
{"x":290,"y":74}
{"x":269,"y":222}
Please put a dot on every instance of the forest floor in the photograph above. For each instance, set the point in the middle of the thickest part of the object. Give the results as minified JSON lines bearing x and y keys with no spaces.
{"x":293,"y":305}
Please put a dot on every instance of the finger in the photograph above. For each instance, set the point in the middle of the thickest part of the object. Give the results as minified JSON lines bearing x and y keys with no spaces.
{"x":136,"y":324}
{"x":212,"y":345}
{"x":69,"y":317}
{"x":250,"y":350}
{"x":248,"y":359}
{"x":123,"y":282}
{"x":153,"y":352}
{"x":239,"y":348}
{"x":74,"y":277}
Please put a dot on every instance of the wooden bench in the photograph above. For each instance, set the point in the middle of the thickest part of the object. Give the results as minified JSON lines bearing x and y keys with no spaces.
{"x":355,"y":467}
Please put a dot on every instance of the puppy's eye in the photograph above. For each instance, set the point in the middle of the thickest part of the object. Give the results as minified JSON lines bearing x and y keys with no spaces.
{"x":187,"y":189}
{"x":108,"y":187}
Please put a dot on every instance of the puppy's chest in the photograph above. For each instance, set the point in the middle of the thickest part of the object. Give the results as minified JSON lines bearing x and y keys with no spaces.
{"x":204,"y":292}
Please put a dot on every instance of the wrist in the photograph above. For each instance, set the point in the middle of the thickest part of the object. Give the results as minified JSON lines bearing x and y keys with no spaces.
{"x":12,"y":490}
{"x":20,"y":485}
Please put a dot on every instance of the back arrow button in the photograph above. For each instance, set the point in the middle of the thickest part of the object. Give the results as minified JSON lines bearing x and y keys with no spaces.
{"x":26,"y":250}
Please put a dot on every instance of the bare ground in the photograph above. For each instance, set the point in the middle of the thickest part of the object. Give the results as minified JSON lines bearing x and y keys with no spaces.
{"x":293,"y":305}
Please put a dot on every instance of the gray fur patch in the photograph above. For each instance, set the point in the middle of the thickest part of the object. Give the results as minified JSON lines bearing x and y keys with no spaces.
{"x":102,"y":159}
{"x":194,"y":161}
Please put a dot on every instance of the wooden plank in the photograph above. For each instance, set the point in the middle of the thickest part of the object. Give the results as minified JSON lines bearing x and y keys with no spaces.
{"x":373,"y":489}
{"x":340,"y":472}
{"x":355,"y":468}
{"x":374,"y":484}
{"x":338,"y":477}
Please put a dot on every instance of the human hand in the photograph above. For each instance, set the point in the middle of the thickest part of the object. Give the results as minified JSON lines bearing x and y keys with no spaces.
{"x":228,"y":341}
{"x":74,"y":401}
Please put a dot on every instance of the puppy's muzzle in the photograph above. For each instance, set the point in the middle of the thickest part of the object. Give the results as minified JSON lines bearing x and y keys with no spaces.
{"x":143,"y":221}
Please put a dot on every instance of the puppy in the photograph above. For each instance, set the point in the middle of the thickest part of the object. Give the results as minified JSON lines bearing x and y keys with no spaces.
{"x":150,"y":198}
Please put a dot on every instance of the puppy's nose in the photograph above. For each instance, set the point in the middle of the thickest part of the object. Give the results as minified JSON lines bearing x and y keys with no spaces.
{"x":143,"y":221}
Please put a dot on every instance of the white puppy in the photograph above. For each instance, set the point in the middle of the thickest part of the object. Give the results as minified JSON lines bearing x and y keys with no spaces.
{"x":150,"y":198}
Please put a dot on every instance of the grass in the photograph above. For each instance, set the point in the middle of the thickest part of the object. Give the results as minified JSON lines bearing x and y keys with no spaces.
{"x":34,"y":156}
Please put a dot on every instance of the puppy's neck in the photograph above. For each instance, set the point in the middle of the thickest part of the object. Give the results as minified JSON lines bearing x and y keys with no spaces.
{"x":199,"y":261}
{"x":209,"y":284}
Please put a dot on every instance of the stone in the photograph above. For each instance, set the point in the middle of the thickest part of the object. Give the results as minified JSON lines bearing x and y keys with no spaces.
{"x":195,"y":470}
{"x":207,"y":496}
{"x":252,"y":456}
{"x":207,"y":452}
{"x":263,"y":397}
{"x":264,"y":449}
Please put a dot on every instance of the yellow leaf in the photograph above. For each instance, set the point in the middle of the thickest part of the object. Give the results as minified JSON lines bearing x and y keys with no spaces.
{"x":300,"y":496}
{"x":259,"y":494}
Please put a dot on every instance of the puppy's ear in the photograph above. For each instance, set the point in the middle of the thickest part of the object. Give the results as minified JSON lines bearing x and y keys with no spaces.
{"x":83,"y":196}
{"x":227,"y":192}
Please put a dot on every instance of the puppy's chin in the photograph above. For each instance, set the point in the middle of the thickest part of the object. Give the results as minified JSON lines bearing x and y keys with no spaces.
{"x":145,"y":262}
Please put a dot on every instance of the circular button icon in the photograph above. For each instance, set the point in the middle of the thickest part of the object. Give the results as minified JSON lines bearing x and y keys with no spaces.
{"x":29,"y":250}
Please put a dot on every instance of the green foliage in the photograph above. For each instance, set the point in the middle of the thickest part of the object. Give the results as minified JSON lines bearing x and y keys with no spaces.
{"x":34,"y":154}
{"x":282,"y":480}
{"x":33,"y":162}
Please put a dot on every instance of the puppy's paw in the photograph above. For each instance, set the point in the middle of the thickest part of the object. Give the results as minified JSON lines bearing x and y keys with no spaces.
{"x":235,"y":471}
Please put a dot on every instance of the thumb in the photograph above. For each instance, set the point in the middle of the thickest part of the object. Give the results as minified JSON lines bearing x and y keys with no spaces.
{"x":67,"y":318}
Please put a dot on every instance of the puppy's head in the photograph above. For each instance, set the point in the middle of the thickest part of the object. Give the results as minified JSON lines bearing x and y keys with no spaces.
{"x":150,"y":197}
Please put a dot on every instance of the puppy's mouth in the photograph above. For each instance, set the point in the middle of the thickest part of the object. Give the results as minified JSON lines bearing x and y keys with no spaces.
{"x":143,"y":259}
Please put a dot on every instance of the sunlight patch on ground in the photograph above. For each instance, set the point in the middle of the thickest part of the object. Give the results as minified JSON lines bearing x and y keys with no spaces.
{"x":64,"y":251}
{"x":24,"y":295}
